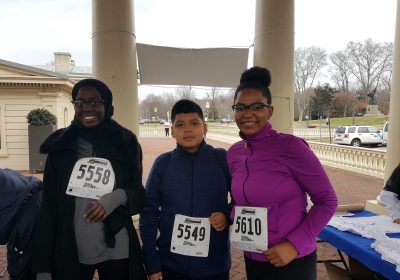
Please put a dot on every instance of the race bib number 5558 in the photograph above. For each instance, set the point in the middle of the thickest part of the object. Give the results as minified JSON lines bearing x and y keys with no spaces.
{"x":91,"y":178}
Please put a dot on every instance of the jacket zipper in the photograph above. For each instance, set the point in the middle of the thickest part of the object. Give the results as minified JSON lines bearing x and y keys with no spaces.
{"x":246,"y":145}
{"x":191,"y":200}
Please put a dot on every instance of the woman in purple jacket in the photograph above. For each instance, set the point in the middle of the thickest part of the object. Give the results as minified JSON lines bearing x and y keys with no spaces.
{"x":272,"y":174}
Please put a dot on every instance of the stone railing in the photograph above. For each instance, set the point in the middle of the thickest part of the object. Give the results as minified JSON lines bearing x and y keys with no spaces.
{"x":318,"y":133}
{"x":365,"y":161}
{"x":151,"y":131}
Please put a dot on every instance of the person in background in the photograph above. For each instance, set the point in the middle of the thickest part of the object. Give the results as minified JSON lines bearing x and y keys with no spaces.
{"x":167,"y":127}
{"x":187,"y":203}
{"x":390,"y":195}
{"x":92,"y":186}
{"x":20,"y":198}
{"x":272,"y":174}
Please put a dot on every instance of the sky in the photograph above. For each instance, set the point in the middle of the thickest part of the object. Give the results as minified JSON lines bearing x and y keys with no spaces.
{"x":32,"y":30}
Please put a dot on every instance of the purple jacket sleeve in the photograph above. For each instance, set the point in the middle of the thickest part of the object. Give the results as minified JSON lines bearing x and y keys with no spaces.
{"x":310,"y":175}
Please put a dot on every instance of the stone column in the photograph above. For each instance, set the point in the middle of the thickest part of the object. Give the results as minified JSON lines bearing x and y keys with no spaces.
{"x":274,"y":49}
{"x":114,"y":56}
{"x":393,"y":148}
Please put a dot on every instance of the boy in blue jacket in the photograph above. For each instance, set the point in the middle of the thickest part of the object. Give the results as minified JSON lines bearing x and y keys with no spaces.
{"x":184,"y":225}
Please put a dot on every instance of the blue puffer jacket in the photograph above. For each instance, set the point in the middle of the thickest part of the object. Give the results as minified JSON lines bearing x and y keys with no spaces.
{"x":194,"y":185}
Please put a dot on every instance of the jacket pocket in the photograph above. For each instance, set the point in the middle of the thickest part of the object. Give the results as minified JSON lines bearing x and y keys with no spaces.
{"x":273,"y":225}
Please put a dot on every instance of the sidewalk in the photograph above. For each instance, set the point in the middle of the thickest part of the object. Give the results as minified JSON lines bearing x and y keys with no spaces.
{"x":350,"y":188}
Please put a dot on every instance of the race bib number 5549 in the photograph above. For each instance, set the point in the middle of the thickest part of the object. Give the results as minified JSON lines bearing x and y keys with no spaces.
{"x":190,"y":236}
{"x":91,"y":178}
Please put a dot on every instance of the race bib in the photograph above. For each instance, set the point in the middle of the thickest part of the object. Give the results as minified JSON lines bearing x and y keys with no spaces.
{"x":190,"y":236}
{"x":249,"y":230}
{"x":91,"y":178}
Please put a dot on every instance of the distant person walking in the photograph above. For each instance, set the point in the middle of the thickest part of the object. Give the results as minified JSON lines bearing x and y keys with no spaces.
{"x":167,"y":126}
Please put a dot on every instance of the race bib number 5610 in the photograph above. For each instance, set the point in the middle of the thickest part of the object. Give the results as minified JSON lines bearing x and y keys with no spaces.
{"x":249,"y":229}
{"x":91,"y":178}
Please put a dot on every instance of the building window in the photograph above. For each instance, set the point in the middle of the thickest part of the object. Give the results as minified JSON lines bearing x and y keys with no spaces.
{"x":66,"y":117}
{"x":3,"y":146}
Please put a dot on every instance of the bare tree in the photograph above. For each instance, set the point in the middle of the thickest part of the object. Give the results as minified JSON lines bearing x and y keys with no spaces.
{"x":368,"y":61}
{"x":386,"y":82}
{"x":343,"y":103}
{"x":225,"y":102}
{"x":383,"y":101}
{"x":169,"y":99}
{"x":148,"y":106}
{"x":308,"y":63}
{"x":185,"y":93}
{"x":339,"y":70}
{"x":213,"y":97}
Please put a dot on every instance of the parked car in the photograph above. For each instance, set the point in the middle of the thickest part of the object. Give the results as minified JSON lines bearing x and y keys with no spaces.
{"x":385,"y":133}
{"x":226,"y":120}
{"x":144,"y":121}
{"x":358,"y":135}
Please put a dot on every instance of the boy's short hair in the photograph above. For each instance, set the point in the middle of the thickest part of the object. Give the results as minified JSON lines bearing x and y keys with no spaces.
{"x":185,"y":106}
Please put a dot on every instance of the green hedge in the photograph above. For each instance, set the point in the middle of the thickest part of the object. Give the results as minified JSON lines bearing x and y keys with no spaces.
{"x":41,"y":117}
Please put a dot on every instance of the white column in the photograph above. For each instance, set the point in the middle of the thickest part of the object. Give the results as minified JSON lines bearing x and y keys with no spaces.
{"x":274,"y":49}
{"x":114,"y":56}
{"x":393,"y":147}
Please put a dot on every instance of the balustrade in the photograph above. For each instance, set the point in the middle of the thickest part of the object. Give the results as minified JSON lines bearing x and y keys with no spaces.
{"x":365,"y":161}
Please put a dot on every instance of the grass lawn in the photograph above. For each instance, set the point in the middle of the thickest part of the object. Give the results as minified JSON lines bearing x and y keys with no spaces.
{"x":335,"y":122}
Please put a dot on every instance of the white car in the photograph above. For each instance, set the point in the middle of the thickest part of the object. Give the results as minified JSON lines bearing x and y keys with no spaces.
{"x":358,"y":135}
{"x":144,"y":121}
{"x":385,"y":133}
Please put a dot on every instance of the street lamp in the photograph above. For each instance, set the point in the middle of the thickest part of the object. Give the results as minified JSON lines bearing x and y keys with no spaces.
{"x":155,"y":115}
{"x":207,"y":110}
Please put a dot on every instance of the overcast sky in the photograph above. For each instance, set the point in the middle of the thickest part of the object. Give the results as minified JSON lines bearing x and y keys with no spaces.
{"x":32,"y":30}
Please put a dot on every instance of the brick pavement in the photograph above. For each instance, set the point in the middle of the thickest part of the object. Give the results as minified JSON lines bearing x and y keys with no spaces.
{"x":350,"y":188}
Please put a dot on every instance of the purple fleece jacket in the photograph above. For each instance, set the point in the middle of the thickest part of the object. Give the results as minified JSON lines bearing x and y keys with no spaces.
{"x":277,"y":170}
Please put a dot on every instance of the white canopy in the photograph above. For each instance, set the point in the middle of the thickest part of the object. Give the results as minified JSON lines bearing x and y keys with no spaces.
{"x":215,"y":67}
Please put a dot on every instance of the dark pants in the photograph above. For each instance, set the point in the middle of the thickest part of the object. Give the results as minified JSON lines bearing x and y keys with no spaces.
{"x":304,"y":268}
{"x":26,"y":274}
{"x":172,"y":275}
{"x":166,"y":131}
{"x":108,"y":270}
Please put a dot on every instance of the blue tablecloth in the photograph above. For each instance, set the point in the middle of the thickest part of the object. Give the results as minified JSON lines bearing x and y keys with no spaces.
{"x":360,"y":248}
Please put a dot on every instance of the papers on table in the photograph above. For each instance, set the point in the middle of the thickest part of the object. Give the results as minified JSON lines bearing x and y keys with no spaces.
{"x":374,"y":227}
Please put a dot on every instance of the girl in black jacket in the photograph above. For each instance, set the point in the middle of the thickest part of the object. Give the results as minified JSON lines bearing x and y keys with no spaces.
{"x":92,"y":186}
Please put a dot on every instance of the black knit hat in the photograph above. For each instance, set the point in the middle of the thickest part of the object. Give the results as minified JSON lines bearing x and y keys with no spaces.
{"x":104,"y":91}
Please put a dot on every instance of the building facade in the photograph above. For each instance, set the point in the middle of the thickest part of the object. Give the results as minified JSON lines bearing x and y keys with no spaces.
{"x":24,"y":88}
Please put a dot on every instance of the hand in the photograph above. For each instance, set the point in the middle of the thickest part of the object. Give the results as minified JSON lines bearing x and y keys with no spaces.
{"x":218,"y":221}
{"x":95,"y":213}
{"x":396,"y":221}
{"x":156,"y":276}
{"x":281,"y":254}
